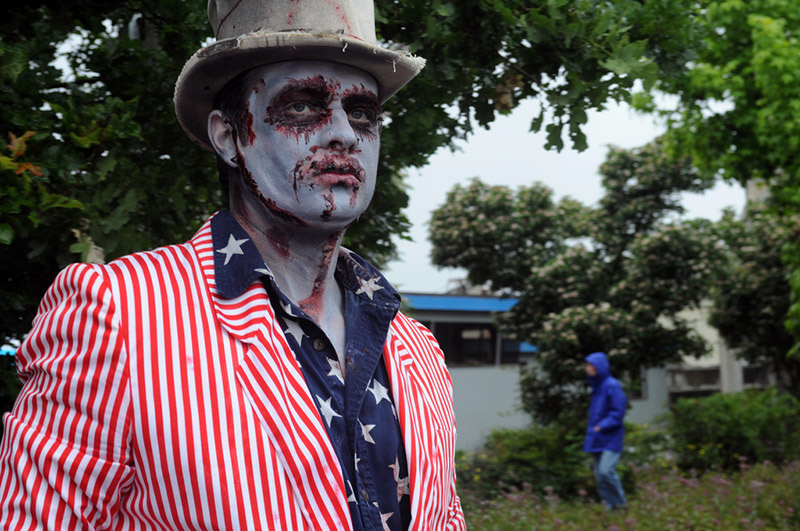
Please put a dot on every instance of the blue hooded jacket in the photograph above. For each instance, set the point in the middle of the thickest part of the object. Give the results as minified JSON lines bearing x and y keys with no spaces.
{"x":606,"y":409}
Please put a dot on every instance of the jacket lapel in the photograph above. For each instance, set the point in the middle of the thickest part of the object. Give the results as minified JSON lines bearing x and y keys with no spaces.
{"x":273,"y":383}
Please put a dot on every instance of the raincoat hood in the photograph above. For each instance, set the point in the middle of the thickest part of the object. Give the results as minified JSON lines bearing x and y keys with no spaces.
{"x":600,"y":362}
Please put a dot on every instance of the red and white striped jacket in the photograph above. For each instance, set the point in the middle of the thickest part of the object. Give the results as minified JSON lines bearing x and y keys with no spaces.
{"x":150,"y":402}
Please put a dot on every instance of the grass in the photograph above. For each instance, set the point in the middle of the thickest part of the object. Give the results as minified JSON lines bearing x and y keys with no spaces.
{"x":757,"y":497}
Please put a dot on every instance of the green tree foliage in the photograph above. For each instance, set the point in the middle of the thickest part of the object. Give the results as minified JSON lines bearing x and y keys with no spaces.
{"x":611,"y":278}
{"x":486,"y":56}
{"x":737,"y":109}
{"x":106,"y":137}
{"x":751,"y":295}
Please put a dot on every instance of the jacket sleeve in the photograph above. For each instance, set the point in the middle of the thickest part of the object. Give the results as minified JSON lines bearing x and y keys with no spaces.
{"x":616,"y":404}
{"x":64,"y":454}
{"x":423,"y":394}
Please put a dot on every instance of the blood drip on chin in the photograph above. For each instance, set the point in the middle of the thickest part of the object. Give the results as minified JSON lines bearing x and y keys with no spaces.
{"x":331,"y":206}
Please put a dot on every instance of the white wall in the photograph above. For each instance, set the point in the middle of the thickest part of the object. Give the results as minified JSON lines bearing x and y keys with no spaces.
{"x":655,"y":401}
{"x":485,"y":398}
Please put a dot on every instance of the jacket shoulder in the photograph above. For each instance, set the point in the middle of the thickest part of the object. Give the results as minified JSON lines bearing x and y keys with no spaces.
{"x":414,"y":334}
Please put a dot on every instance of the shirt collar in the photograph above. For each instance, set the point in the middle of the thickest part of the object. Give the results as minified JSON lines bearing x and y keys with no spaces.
{"x":237,"y":264}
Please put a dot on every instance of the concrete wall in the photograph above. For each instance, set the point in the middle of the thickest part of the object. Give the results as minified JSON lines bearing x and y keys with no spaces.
{"x":487,"y":398}
{"x":655,"y":401}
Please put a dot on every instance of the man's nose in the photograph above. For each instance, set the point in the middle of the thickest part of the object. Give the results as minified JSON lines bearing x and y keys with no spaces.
{"x":339,"y":133}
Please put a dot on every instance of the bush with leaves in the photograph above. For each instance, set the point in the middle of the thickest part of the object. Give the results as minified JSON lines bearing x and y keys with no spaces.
{"x":722,"y":430}
{"x":610,"y":278}
{"x":542,"y":459}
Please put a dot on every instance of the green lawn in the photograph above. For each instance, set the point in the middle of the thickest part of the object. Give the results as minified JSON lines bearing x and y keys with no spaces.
{"x":763,"y":496}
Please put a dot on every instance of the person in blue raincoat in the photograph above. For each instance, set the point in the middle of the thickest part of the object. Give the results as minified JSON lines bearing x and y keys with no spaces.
{"x":605,"y":430}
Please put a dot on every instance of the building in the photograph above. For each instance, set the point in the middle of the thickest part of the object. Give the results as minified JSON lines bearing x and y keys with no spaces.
{"x":485,"y":366}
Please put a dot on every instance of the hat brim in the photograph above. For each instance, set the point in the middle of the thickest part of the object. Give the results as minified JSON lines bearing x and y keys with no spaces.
{"x":212,"y":67}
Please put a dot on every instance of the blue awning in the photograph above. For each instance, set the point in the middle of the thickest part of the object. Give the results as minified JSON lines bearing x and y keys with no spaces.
{"x":459,"y":303}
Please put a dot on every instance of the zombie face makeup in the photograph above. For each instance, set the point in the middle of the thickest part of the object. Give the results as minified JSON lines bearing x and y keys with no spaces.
{"x":311,"y":152}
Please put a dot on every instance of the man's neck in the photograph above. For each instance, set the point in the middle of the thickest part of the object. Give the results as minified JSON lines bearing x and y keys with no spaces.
{"x":303,"y":263}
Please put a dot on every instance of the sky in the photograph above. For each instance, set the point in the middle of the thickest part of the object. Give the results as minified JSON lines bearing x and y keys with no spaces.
{"x":508,"y":154}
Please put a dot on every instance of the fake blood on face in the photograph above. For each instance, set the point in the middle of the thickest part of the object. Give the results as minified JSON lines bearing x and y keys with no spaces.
{"x":316,"y":93}
{"x":328,"y":165}
{"x":312,"y":304}
{"x":359,"y":99}
{"x":330,"y":206}
{"x":251,"y":184}
{"x":279,"y":241}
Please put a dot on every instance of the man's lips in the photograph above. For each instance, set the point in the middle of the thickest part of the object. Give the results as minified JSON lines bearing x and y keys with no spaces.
{"x":346,"y":169}
{"x":329,"y":167}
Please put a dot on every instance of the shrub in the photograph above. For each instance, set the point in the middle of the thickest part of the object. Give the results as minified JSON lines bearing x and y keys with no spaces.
{"x":541,"y":459}
{"x":723,"y":430}
{"x":546,"y":461}
{"x":646,"y":446}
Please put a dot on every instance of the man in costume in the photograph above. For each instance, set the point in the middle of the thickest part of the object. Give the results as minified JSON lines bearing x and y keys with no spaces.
{"x":259,"y":376}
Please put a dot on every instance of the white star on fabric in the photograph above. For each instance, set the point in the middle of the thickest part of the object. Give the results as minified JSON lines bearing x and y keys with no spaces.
{"x":357,"y":460}
{"x":336,"y":370}
{"x":365,"y":429}
{"x":352,"y":497}
{"x":287,"y":307}
{"x":234,"y":247}
{"x":369,"y":286}
{"x":294,"y":329}
{"x":326,"y":409}
{"x":384,"y":518}
{"x":402,"y":483}
{"x":379,"y":392}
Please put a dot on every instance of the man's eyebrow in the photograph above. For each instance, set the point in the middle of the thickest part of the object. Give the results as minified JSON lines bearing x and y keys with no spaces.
{"x":361,"y":94}
{"x":313,"y":85}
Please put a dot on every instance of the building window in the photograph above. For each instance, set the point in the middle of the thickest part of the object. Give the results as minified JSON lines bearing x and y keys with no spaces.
{"x":466,"y":343}
{"x":755,"y":376}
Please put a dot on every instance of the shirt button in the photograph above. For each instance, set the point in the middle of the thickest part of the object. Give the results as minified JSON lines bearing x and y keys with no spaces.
{"x":319,"y":344}
{"x":365,"y":494}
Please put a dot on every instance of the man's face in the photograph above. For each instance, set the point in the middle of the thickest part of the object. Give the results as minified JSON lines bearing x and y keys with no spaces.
{"x":590,"y":370}
{"x":311,"y":155}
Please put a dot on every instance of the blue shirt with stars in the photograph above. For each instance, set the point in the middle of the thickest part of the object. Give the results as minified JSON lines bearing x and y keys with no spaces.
{"x":356,"y":404}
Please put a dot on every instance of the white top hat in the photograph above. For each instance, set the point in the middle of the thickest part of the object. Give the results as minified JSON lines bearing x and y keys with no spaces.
{"x":251,"y":33}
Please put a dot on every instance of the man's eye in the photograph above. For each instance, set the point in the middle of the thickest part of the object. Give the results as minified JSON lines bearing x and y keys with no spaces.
{"x":361,"y":116}
{"x":299,"y":107}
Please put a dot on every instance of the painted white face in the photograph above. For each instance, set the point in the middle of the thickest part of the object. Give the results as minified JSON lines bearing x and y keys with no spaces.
{"x":311,"y":156}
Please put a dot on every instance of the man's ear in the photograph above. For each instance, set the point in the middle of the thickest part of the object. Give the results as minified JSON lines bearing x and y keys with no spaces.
{"x":222,"y":136}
